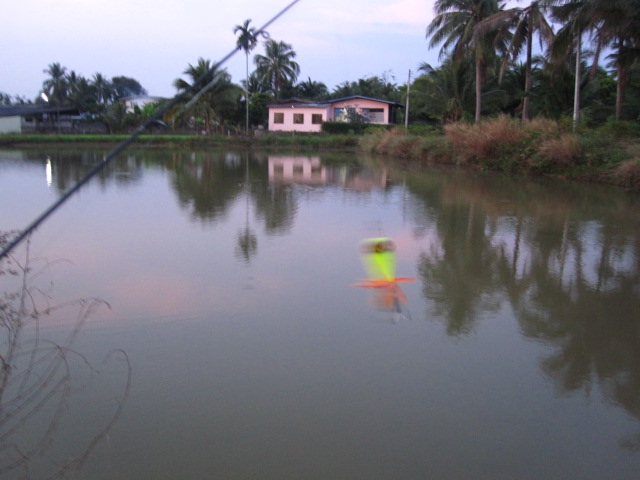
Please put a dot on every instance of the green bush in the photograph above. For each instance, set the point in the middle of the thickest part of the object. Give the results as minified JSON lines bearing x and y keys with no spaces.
{"x":619,"y":129}
{"x":342,"y":128}
{"x":354,"y":128}
{"x":423,"y":129}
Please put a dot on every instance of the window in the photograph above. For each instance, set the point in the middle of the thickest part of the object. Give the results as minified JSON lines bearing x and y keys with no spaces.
{"x":374,"y":115}
{"x":316,"y":118}
{"x":298,"y":118}
{"x":278,"y":118}
{"x":344,"y":114}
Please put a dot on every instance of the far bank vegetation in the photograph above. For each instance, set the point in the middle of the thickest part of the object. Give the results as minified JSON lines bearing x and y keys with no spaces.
{"x":609,"y":154}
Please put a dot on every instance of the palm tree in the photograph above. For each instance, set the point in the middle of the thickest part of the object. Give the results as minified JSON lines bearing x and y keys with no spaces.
{"x":609,"y":22}
{"x":446,"y":90}
{"x":312,"y":90}
{"x":525,"y":21}
{"x":81,"y":93}
{"x":575,"y":16}
{"x":454,"y":27}
{"x":56,"y":86}
{"x":277,"y":65}
{"x":247,"y":41}
{"x":102,"y":87}
{"x":210,"y":101}
{"x":620,"y":27}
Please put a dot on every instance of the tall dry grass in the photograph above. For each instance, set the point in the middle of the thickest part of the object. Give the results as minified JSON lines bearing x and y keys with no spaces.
{"x":538,"y":146}
{"x":627,"y":173}
{"x":397,"y":143}
{"x":501,"y":143}
{"x":484,"y":142}
{"x":559,"y":153}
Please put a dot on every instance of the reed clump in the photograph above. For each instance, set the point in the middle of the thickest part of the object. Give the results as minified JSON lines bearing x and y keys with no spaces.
{"x":430,"y":146}
{"x":558,"y":154}
{"x":488,"y":143}
{"x":539,"y":146}
{"x":627,"y":173}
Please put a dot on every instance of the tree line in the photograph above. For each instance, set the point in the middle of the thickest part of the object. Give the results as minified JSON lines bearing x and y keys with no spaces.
{"x":487,"y":67}
{"x":488,"y":63}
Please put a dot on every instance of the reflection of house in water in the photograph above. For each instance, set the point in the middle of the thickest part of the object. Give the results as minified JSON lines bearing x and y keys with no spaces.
{"x":310,"y":171}
{"x":297,"y":170}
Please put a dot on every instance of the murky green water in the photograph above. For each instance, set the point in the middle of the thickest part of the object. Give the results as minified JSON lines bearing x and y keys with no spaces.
{"x":229,"y":280}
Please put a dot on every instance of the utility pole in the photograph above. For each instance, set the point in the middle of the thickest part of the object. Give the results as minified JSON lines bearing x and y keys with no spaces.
{"x":406,"y":110}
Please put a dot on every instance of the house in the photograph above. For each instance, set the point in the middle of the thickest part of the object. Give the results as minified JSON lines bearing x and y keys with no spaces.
{"x":299,"y":115}
{"x":130,"y":103}
{"x":36,"y":118}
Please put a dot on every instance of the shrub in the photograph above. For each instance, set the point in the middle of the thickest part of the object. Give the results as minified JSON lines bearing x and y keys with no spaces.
{"x":342,"y":127}
{"x":601,"y":150}
{"x":490,"y":143}
{"x":627,"y":173}
{"x":558,"y":153}
{"x":620,"y":129}
{"x":423,"y":129}
{"x":434,"y":148}
{"x":351,"y":128}
{"x":370,"y":141}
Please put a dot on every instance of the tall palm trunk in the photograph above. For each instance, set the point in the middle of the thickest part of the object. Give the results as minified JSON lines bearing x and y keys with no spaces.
{"x":576,"y":92}
{"x":479,"y":66}
{"x":527,"y":78}
{"x":621,"y":74}
{"x":246,"y":92}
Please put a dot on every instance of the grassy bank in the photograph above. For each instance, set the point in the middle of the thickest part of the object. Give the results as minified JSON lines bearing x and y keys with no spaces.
{"x":609,"y":154}
{"x":324,"y":142}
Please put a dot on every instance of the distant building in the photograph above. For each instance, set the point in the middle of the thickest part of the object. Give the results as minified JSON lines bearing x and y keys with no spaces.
{"x":36,"y":118}
{"x":299,"y":115}
{"x":130,"y":103}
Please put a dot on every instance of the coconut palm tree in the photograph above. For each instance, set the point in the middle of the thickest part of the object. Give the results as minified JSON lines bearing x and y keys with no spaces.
{"x":453,"y":27}
{"x":575,"y":16}
{"x":313,"y":90}
{"x":446,"y":90}
{"x":247,"y":41}
{"x":210,"y":102}
{"x":81,"y":93}
{"x":525,"y":22}
{"x":56,"y":86}
{"x":102,"y":87}
{"x":620,"y":28}
{"x":608,"y":22}
{"x":277,"y":66}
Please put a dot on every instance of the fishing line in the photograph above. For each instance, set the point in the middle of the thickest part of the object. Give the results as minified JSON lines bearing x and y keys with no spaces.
{"x":201,"y":84}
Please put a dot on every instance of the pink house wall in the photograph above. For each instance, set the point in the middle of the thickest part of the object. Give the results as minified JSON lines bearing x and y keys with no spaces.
{"x":359,"y":104}
{"x":289,"y":126}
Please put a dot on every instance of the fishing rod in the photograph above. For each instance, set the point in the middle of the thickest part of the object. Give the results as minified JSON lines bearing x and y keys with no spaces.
{"x":199,"y":86}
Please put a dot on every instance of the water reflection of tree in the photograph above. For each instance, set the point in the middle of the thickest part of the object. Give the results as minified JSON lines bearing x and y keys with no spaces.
{"x":69,"y":167}
{"x":277,"y":205}
{"x":458,"y":276}
{"x":587,"y":315}
{"x":209,"y":184}
{"x":569,"y":266}
{"x":247,"y":245}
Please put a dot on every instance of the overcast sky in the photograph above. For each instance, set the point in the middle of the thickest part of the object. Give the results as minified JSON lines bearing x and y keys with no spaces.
{"x":154,"y":41}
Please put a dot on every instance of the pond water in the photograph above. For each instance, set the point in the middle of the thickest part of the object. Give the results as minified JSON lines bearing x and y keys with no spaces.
{"x":228,"y":283}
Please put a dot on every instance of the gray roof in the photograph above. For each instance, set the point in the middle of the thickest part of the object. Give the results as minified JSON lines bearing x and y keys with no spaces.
{"x":299,"y":102}
{"x":32,"y":109}
{"x":390,"y":102}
